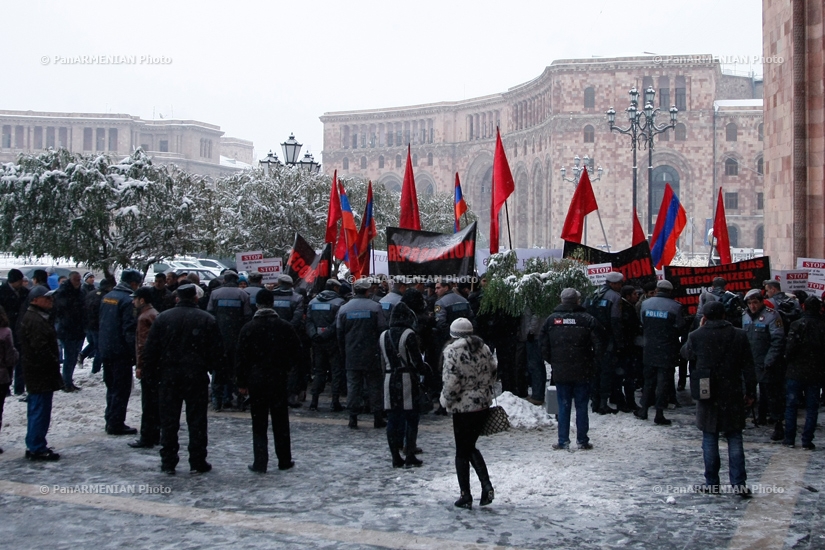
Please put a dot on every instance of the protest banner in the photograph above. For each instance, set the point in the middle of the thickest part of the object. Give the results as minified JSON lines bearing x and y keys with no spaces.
{"x":249,"y":261}
{"x":791,"y":280}
{"x":308,"y":270}
{"x":689,"y":282}
{"x":523,"y":254}
{"x":634,"y":262}
{"x":411,"y":252}
{"x":598,"y":272}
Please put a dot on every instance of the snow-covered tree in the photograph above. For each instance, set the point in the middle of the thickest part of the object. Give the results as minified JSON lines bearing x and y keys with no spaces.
{"x":101,"y":212}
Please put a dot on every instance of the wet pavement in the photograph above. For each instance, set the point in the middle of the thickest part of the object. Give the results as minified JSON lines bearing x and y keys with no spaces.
{"x":343,"y":492}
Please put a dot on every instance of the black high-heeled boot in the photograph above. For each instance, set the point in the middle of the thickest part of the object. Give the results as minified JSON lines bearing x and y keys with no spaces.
{"x":462,"y":470}
{"x":397,"y":461}
{"x":487,"y":492}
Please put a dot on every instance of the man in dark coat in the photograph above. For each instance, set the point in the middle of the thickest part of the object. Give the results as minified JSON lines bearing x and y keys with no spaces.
{"x":720,"y":354}
{"x":41,"y":365}
{"x":359,"y":324}
{"x":629,"y":352}
{"x":805,"y":371}
{"x":162,"y":298}
{"x":605,"y":306}
{"x":663,"y":323}
{"x":289,"y":305}
{"x":69,"y":316}
{"x":320,"y":328}
{"x":117,"y":350}
{"x":149,"y":406}
{"x":571,"y":341}
{"x":268,"y":348}
{"x":230,"y":306}
{"x":766,"y":335}
{"x":92,"y":303}
{"x":183,"y":346}
{"x":12,"y":296}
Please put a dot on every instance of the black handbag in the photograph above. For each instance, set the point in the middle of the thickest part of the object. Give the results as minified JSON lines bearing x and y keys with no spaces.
{"x":497,"y":421}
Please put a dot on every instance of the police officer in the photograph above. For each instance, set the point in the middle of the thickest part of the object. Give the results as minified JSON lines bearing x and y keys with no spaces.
{"x":320,"y":328}
{"x":734,"y":308}
{"x":359,"y":324}
{"x":183,"y":346}
{"x":766,"y":335}
{"x":117,"y":349}
{"x":662,"y":322}
{"x":289,"y":305}
{"x":605,"y":306}
{"x":393,"y":297}
{"x":571,"y":340}
{"x":787,"y":305}
{"x":230,"y":306}
{"x":255,"y":286}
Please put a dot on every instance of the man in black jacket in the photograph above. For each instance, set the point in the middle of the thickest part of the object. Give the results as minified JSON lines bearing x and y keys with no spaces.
{"x":320,"y":328}
{"x":69,"y":314}
{"x":268,"y":348}
{"x":571,"y":341}
{"x":805,"y":372}
{"x":184,"y":345}
{"x":12,"y":296}
{"x":720,"y":354}
{"x":92,"y":303}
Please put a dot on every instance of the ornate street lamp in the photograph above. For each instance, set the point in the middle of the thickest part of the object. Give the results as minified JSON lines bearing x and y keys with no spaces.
{"x":269,"y":163}
{"x":291,"y":149}
{"x":308,"y":163}
{"x":642,"y":130}
{"x":577,"y":173}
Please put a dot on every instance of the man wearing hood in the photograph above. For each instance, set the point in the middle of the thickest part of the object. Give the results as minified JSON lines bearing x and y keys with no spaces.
{"x":320,"y":328}
{"x":403,"y":365}
{"x":571,"y":341}
{"x":268,"y":349}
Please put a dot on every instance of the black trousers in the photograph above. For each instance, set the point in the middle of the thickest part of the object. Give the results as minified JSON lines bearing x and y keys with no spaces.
{"x":326,"y":359}
{"x":360,"y":382}
{"x":173,"y":394}
{"x":656,"y":387}
{"x":466,"y":430}
{"x":150,"y":411}
{"x":117,"y":375}
{"x":265,"y":405}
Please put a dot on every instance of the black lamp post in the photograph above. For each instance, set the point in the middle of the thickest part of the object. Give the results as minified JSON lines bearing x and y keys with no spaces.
{"x":269,"y":162}
{"x":642,"y":130}
{"x":577,"y":174}
{"x":291,"y":149}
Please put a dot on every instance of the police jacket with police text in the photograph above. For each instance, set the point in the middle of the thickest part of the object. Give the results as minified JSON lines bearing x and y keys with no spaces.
{"x":118,"y":322}
{"x":570,"y":340}
{"x":450,"y":307}
{"x":663,"y":323}
{"x":766,"y":336}
{"x":388,"y":302}
{"x":230,"y":306}
{"x":322,"y":314}
{"x":290,"y":307}
{"x":360,"y":322}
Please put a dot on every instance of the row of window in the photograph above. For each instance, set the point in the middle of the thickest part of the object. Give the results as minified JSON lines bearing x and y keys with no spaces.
{"x":732,"y":131}
{"x":664,"y":89}
{"x":732,"y":166}
{"x":50,"y":137}
{"x":732,"y":201}
{"x":399,"y":160}
{"x":391,"y":134}
{"x":206,"y":148}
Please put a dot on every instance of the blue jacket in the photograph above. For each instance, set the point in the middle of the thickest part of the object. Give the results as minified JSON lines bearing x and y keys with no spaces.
{"x":118,"y":322}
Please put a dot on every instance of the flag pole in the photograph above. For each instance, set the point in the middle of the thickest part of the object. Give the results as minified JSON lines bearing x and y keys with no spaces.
{"x":372,"y":251}
{"x":507,"y":217}
{"x":710,"y":254}
{"x":603,"y":231}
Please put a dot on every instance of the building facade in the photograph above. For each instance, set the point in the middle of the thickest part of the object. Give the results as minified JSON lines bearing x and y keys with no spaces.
{"x":792,"y":32}
{"x":546,"y":122}
{"x":195,"y":147}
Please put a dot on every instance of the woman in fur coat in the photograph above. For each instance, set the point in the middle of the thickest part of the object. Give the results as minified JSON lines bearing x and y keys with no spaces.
{"x":469,"y":372}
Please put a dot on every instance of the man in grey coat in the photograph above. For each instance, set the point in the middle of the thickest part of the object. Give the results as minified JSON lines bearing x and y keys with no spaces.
{"x":721,"y":365}
{"x":359,"y":324}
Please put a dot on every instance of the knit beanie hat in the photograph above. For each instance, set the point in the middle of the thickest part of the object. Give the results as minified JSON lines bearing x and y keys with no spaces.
{"x":461,"y":328}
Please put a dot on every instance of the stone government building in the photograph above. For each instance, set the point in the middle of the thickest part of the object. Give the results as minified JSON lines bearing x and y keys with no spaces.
{"x":560,"y":114}
{"x":196,"y":147}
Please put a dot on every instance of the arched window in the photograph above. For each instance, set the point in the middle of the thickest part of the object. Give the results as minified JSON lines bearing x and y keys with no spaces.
{"x":589,"y":134}
{"x":662,"y":175}
{"x":398,"y":161}
{"x":733,"y":236}
{"x":760,"y":166}
{"x":760,"y":237}
{"x":760,"y":132}
{"x":731,"y":167}
{"x":363,"y":163}
{"x":681,"y":132}
{"x":345,"y":163}
{"x":429,"y":159}
{"x":381,"y":161}
{"x":730,"y":132}
{"x":590,"y":98}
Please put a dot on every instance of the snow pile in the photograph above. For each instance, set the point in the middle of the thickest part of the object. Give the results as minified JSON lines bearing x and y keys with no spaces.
{"x":524,"y":414}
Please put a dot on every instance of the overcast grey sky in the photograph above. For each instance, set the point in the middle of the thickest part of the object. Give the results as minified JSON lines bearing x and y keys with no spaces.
{"x":261,"y":70}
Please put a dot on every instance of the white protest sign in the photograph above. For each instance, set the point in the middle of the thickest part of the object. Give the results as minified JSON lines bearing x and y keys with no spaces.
{"x":270,"y":268}
{"x":816,"y":274}
{"x":249,"y":261}
{"x":791,"y":280}
{"x":597,"y":273}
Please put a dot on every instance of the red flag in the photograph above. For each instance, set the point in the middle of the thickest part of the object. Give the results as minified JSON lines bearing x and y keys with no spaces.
{"x":410,"y":218}
{"x":349,"y":234}
{"x":638,"y":232}
{"x":341,"y":246}
{"x":334,"y":211}
{"x":720,"y":230}
{"x":366,"y":234}
{"x":582,"y":204}
{"x":503,"y":187}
